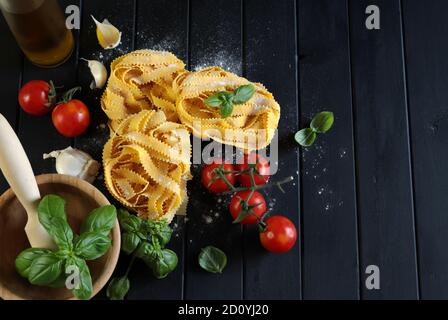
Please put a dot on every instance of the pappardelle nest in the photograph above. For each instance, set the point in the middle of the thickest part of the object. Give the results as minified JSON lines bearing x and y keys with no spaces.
{"x":149,"y":99}
{"x":147,"y":165}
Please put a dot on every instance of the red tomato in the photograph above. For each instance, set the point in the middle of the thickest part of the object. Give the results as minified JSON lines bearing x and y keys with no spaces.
{"x":256,"y":201}
{"x":280,"y":234}
{"x":71,"y":118}
{"x":37,"y":97}
{"x":262,"y":167}
{"x":216,"y":184}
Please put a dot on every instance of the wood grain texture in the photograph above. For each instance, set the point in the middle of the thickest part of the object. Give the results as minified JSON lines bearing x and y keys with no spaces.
{"x":121,"y":14}
{"x":426,"y":49}
{"x":385,"y":197}
{"x":37,"y":134}
{"x":81,"y":198}
{"x":360,"y":174}
{"x":275,"y":67}
{"x":215,"y":39}
{"x":330,"y":255}
{"x":11,"y":65}
{"x":165,"y":29}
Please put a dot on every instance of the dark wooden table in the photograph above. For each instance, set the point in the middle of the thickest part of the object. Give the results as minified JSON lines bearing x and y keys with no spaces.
{"x":370,"y":192}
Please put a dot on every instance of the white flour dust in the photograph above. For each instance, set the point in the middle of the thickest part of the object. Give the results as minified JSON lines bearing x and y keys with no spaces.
{"x":223,"y":59}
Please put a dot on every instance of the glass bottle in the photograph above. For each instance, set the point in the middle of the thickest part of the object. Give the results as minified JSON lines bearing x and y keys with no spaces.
{"x":40,"y":30}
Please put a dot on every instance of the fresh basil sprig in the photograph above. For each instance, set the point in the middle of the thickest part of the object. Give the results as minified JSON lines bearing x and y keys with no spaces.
{"x":212,"y":259}
{"x":321,"y":123}
{"x":146,"y":240}
{"x":49,"y":268}
{"x":226,"y":100}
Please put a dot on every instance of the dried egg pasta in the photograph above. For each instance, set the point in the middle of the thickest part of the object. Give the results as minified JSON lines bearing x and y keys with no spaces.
{"x":141,"y":80}
{"x":251,"y":125}
{"x":153,"y":103}
{"x":147,"y":164}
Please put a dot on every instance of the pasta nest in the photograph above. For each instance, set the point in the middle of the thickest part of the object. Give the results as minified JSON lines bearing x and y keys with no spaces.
{"x":251,"y":126}
{"x":141,"y":80}
{"x":147,"y":165}
{"x":153,"y":104}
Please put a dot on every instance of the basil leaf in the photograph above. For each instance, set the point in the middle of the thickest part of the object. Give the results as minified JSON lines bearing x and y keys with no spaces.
{"x":51,"y":213}
{"x":128,"y":222}
{"x":51,"y":206}
{"x":83,"y":283}
{"x":63,"y":253}
{"x":160,"y":230}
{"x":144,"y":251}
{"x":164,"y":235}
{"x":25,"y":259}
{"x":45,"y":269}
{"x":118,"y":288}
{"x":129,"y":242}
{"x":213,"y":101}
{"x":226,"y":109}
{"x":165,"y":263}
{"x":322,"y":122}
{"x":101,"y":220}
{"x":244,"y":93}
{"x":212,"y":259}
{"x":305,"y":137}
{"x":92,"y":245}
{"x":226,"y":96}
{"x":59,"y":282}
{"x":62,"y":233}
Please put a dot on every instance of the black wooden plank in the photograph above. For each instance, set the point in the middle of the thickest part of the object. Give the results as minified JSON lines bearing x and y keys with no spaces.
{"x":385,"y":199}
{"x":121,"y":14}
{"x":330,"y":257}
{"x":10,"y":77}
{"x":215,"y":39}
{"x":426,"y":49}
{"x":162,"y":25}
{"x":270,"y":58}
{"x":37,"y":134}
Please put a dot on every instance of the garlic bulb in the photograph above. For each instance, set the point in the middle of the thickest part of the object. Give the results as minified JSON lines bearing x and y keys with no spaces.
{"x":108,"y":35}
{"x":99,"y":73}
{"x":76,"y":163}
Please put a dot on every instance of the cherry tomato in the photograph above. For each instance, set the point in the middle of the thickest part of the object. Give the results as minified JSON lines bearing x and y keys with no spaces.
{"x":256,"y":204}
{"x":261,"y":165}
{"x":37,"y":97}
{"x":212,"y":182}
{"x":71,"y":118}
{"x":280,"y":234}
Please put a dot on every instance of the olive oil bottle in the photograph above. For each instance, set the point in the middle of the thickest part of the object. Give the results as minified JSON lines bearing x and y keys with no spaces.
{"x":39,"y":29}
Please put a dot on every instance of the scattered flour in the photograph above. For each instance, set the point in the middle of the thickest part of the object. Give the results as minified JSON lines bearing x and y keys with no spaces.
{"x":223,"y":59}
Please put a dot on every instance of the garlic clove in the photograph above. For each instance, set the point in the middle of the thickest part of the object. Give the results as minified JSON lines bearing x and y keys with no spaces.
{"x":108,"y":35}
{"x":99,"y":73}
{"x":76,"y":163}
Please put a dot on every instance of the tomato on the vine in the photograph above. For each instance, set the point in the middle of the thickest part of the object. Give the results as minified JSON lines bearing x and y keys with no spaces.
{"x":262,"y":169}
{"x":279,"y":235}
{"x":37,"y":97}
{"x":247,"y":211}
{"x":212,"y":181}
{"x":71,"y":117}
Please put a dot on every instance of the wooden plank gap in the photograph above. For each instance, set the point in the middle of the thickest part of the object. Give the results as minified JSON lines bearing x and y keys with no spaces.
{"x":409,"y":138}
{"x":299,"y":154}
{"x":355,"y":154}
